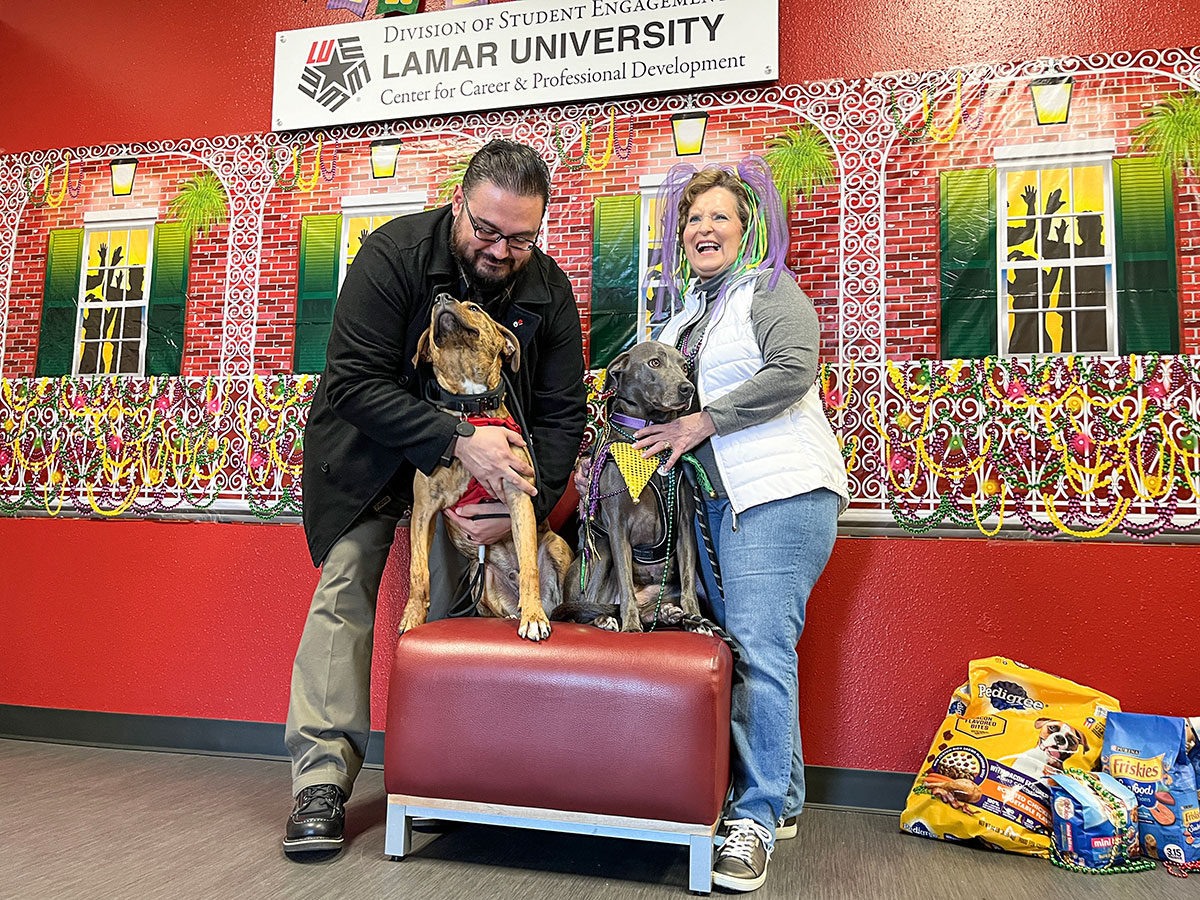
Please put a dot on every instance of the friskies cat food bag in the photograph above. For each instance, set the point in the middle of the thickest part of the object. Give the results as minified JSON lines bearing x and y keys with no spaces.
{"x":1148,"y":754}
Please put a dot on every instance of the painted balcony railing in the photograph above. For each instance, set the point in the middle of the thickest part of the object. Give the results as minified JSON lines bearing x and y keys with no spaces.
{"x":1080,"y":446}
{"x":149,"y":447}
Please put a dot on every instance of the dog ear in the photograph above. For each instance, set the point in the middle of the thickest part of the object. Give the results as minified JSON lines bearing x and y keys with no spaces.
{"x":1041,"y":723}
{"x":423,"y":353}
{"x":512,"y":347}
{"x":613,"y":372}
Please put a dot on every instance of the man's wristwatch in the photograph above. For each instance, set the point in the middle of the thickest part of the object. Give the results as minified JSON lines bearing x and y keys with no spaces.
{"x":462,"y":429}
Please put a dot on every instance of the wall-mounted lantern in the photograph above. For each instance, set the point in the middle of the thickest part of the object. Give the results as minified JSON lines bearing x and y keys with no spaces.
{"x":383,"y":157}
{"x":122,"y":176}
{"x":688,"y":129}
{"x":1051,"y":99}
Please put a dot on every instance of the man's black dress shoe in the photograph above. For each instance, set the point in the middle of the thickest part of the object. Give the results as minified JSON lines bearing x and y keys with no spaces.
{"x":317,"y":820}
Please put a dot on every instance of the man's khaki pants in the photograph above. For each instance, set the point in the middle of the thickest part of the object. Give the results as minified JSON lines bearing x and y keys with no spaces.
{"x":329,"y":714}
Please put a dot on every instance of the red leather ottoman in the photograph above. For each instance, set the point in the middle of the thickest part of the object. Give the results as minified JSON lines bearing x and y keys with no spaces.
{"x":623,"y":735}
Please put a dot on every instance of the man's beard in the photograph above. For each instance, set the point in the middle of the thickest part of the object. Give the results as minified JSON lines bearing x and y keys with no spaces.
{"x":485,"y":277}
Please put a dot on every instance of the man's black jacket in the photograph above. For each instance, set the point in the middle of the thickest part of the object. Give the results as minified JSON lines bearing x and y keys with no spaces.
{"x":368,"y":421}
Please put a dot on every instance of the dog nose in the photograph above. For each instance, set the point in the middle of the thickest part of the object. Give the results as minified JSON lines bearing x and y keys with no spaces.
{"x":686,"y":389}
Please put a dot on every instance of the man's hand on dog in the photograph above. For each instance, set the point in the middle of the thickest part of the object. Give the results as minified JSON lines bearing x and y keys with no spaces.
{"x":486,"y":454}
{"x":482,"y":531}
{"x":678,"y":437}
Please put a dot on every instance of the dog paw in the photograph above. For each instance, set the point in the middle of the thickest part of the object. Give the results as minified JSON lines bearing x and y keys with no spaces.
{"x":407,"y":623}
{"x":670,"y":614}
{"x":606,"y":623}
{"x":534,"y":629}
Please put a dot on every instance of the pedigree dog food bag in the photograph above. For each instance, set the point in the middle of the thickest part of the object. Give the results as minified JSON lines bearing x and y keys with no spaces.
{"x":1008,"y":730}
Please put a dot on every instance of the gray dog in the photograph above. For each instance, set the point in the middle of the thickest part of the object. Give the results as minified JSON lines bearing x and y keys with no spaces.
{"x":640,"y":554}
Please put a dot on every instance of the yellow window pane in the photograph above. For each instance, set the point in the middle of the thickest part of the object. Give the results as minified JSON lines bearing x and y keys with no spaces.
{"x":95,"y":240}
{"x":653,"y":237}
{"x":376,"y":221}
{"x":1059,"y":239}
{"x":1056,"y":190}
{"x":139,"y":243}
{"x":118,"y":247}
{"x":358,"y":229}
{"x":1019,"y":188}
{"x":1091,"y":238}
{"x":1089,"y":189}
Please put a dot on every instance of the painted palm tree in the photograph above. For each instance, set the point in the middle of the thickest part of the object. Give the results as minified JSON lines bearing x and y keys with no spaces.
{"x":1171,"y":131}
{"x":200,"y":204}
{"x":453,"y":179}
{"x":801,"y":159}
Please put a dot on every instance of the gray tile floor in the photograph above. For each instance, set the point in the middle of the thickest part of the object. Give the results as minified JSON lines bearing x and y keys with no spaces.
{"x":96,"y":824}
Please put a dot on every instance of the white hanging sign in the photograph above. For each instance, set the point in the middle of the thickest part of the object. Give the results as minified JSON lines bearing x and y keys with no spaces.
{"x":525,"y":53}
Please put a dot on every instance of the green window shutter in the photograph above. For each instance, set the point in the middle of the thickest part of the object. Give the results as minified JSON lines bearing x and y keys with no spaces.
{"x":968,"y":263}
{"x":60,"y":303}
{"x":320,"y":245}
{"x":1147,"y":289}
{"x":167,"y":311}
{"x":615,"y":249}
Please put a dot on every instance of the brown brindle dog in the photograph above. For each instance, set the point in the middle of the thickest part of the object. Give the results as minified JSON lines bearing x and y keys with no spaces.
{"x":467,"y":349}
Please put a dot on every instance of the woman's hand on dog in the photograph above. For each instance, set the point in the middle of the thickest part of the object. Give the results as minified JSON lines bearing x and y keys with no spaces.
{"x":482,"y":531}
{"x":678,"y":437}
{"x":487,"y":454}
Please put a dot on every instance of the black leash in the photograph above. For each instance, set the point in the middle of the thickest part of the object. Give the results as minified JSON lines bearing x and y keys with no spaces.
{"x":735,"y":649}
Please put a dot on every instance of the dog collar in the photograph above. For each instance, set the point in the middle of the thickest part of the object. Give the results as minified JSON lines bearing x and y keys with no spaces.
{"x":628,"y":421}
{"x":465,"y":403}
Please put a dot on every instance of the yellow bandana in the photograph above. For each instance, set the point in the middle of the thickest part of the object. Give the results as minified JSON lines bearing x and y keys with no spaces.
{"x":636,"y":470}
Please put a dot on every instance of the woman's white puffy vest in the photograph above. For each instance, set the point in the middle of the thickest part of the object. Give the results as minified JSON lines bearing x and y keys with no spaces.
{"x":791,"y":454}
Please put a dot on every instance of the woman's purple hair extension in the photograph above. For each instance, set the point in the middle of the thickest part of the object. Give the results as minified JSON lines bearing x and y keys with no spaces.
{"x":669,"y":195}
{"x":756,"y":176}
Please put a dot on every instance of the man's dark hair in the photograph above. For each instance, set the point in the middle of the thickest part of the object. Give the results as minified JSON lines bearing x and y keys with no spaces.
{"x":510,"y":166}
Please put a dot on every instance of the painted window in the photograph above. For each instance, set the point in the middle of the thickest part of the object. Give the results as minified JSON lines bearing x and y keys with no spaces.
{"x":328,"y":245}
{"x":653,"y":308}
{"x":1066,"y":257}
{"x":111,"y":328}
{"x":115,"y":299}
{"x":1056,"y":264}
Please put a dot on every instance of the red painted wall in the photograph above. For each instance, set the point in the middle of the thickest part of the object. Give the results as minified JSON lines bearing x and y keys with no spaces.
{"x":199,"y":619}
{"x":202,"y":620}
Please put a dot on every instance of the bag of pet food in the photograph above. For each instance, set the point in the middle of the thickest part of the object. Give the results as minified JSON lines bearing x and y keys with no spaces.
{"x":1192,"y":736}
{"x":1095,"y":820}
{"x":1008,"y":729}
{"x":1148,"y":754}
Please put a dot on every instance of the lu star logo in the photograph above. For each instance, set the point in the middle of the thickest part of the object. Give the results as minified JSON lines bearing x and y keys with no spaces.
{"x":335,"y":71}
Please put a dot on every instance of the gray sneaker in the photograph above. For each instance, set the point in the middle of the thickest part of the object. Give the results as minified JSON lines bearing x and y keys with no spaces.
{"x":786,"y":829}
{"x":742,"y":860}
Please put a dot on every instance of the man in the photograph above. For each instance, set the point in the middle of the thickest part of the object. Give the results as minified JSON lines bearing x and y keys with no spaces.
{"x":370,"y":428}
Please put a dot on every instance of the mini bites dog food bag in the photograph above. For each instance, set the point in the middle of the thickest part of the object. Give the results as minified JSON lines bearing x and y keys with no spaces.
{"x":1095,"y":819}
{"x":1008,"y":730}
{"x":1148,"y":754}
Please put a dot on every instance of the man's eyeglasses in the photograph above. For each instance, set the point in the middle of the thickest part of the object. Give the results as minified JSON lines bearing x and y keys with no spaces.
{"x":492,"y":236}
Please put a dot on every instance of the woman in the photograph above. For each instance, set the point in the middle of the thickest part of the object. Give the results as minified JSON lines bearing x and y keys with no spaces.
{"x":751,"y":338}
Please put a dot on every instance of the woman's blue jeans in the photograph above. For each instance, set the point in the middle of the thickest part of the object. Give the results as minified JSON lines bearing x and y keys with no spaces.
{"x":768,"y":568}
